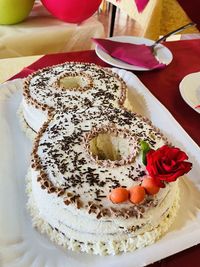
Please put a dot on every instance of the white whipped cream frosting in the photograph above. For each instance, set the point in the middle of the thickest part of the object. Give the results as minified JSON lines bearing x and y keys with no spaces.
{"x":94,"y":106}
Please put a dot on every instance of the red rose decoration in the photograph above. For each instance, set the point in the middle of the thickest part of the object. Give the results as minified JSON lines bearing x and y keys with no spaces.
{"x":167,"y":164}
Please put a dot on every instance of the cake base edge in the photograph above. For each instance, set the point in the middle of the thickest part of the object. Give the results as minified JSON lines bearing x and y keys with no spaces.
{"x":98,"y":248}
{"x":23,"y":124}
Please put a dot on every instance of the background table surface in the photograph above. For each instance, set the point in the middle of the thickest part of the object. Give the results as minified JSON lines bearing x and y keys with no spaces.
{"x":41,"y":33}
{"x":164,"y":84}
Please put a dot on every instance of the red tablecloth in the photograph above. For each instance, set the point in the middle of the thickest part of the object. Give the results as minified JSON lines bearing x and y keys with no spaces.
{"x":164,"y":84}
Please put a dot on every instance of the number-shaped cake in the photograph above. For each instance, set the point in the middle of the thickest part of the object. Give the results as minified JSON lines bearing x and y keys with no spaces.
{"x":97,"y":181}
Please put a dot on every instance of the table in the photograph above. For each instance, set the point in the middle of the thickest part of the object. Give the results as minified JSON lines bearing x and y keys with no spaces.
{"x":41,"y":33}
{"x":10,"y":66}
{"x":164,"y":85}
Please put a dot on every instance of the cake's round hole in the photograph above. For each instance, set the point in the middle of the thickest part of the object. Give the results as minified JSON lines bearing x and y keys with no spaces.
{"x":73,"y":82}
{"x":110,"y":147}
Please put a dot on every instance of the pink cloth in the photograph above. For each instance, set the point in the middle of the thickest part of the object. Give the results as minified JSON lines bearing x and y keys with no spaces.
{"x":141,"y":4}
{"x":138,"y":55}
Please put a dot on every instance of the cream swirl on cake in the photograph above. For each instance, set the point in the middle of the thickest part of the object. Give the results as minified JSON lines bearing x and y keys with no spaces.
{"x":89,"y":144}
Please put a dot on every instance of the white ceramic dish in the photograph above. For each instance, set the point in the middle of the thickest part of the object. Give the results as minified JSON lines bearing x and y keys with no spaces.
{"x":163,"y":53}
{"x":23,"y":246}
{"x":190,"y":90}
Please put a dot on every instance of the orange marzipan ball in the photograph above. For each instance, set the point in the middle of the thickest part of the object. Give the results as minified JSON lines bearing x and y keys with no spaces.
{"x":119,"y":195}
{"x":137,"y":194}
{"x":150,"y":186}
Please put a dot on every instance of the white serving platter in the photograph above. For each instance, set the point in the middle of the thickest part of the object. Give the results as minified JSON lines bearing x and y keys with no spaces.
{"x":23,"y":246}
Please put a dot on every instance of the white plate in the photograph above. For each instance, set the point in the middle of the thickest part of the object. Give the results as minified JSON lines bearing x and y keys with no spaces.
{"x":163,"y":53}
{"x":23,"y":246}
{"x":190,"y":90}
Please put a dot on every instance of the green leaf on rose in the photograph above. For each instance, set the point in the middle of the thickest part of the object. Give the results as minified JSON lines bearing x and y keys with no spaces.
{"x":144,"y":149}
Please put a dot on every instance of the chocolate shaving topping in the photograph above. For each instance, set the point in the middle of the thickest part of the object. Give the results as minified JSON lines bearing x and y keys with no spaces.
{"x":61,"y":150}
